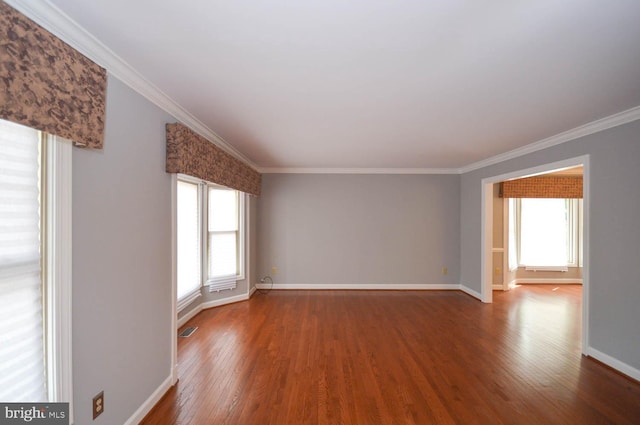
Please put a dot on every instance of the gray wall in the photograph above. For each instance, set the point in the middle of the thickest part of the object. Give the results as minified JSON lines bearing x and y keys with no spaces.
{"x":614,"y":232}
{"x":359,"y":229}
{"x":121,"y":261}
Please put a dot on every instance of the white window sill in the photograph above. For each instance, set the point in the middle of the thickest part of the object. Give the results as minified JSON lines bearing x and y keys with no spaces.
{"x":188,"y":299}
{"x":547,"y":268}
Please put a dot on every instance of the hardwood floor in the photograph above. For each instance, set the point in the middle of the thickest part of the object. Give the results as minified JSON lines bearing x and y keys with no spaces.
{"x":386,"y":357}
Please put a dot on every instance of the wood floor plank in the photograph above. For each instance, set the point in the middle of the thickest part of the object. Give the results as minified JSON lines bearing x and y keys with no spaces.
{"x":395,"y":357}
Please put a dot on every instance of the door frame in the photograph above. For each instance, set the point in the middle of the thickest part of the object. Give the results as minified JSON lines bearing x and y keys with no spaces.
{"x":486,"y":290}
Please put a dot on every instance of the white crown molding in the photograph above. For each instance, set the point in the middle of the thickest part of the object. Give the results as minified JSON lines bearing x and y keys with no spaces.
{"x":275,"y":170}
{"x":584,"y":130}
{"x":593,"y":127}
{"x":62,"y":26}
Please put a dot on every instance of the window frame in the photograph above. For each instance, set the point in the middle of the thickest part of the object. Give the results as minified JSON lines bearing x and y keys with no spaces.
{"x":194,"y":294}
{"x":219,"y":283}
{"x":56,"y":188}
{"x":224,"y":282}
{"x":58,"y":268}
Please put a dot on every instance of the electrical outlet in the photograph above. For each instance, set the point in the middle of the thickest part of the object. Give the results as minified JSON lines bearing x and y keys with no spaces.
{"x":445,"y":271}
{"x":274,"y":270}
{"x":98,"y":404}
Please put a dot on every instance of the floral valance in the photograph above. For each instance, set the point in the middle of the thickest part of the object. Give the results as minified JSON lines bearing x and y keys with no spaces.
{"x":46,"y":84}
{"x":543,"y":187}
{"x":191,"y":154}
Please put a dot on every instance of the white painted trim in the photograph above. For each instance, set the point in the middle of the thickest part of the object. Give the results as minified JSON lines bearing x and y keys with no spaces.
{"x":562,"y":269}
{"x":188,"y":316}
{"x":498,"y":287}
{"x":602,"y":124}
{"x":505,"y":244}
{"x":188,"y":299}
{"x":593,"y":127}
{"x":471,"y":292}
{"x":548,"y":281}
{"x":252,"y":291}
{"x":211,"y":304}
{"x":59,"y":270}
{"x":486,"y":238}
{"x":246,"y":265}
{"x":285,"y":170}
{"x":224,"y":301}
{"x":62,"y":26}
{"x":486,"y":206}
{"x":618,"y":365}
{"x":149,"y":403}
{"x":174,"y":280}
{"x":360,"y":286}
{"x":497,"y":250}
{"x":586,"y":250}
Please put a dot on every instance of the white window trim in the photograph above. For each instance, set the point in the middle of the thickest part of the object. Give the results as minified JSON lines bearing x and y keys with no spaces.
{"x":59,"y":271}
{"x":222,"y":282}
{"x":188,"y":299}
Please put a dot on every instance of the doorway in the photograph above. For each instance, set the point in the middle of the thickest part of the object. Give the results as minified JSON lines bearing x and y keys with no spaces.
{"x":487,"y":230}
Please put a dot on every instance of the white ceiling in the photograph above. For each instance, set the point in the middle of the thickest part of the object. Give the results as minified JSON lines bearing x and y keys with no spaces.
{"x":379,"y":84}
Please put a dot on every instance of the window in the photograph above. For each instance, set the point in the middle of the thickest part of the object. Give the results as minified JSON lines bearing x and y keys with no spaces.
{"x":548,"y":232}
{"x":35,"y":266}
{"x":188,"y":241}
{"x":213,"y":214}
{"x":224,"y":239}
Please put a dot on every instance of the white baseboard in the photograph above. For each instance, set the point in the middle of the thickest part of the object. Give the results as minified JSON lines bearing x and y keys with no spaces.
{"x":497,"y":287}
{"x":358,"y":286}
{"x":548,"y":281}
{"x":146,"y":407}
{"x":210,"y":304}
{"x":224,"y":301}
{"x":252,"y":291}
{"x":614,"y":363}
{"x":470,"y":291}
{"x":184,"y":319}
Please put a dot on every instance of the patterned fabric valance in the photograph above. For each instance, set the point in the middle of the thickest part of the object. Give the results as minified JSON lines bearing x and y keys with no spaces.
{"x":191,"y":154}
{"x":543,"y":187}
{"x":46,"y":84}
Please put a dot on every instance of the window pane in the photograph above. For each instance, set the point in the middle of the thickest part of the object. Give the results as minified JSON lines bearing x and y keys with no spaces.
{"x":223,"y":210}
{"x":223,"y":254}
{"x":543,"y":232}
{"x":188,"y":238}
{"x":22,"y":368}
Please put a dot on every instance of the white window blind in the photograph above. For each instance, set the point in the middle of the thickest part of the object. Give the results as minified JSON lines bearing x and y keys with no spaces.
{"x":188,"y":238}
{"x":223,"y":233}
{"x":22,"y":367}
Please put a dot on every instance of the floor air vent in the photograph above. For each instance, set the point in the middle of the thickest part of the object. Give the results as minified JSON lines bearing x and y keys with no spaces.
{"x":187,"y":332}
